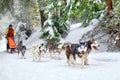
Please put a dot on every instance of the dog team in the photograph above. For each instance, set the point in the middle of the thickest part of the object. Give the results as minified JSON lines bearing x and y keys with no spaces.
{"x":71,"y":50}
{"x":81,"y":49}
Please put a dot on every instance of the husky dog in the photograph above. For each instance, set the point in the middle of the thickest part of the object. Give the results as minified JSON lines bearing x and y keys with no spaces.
{"x":73,"y":50}
{"x":56,"y":48}
{"x":91,"y":44}
{"x":36,"y":51}
{"x":21,"y":49}
{"x":81,"y":50}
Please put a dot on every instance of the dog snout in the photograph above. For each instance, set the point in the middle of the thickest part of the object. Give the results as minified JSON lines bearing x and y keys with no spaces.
{"x":82,"y":51}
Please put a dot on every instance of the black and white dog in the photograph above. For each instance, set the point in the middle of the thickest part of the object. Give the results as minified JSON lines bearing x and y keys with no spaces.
{"x":37,"y":51}
{"x":21,"y":49}
{"x":75,"y":49}
{"x":81,"y":50}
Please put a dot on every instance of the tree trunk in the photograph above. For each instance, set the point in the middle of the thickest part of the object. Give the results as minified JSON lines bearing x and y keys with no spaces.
{"x":110,"y":7}
{"x":42,"y":16}
{"x":41,"y":23}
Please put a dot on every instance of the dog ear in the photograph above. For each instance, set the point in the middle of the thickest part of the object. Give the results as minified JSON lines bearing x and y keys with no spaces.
{"x":82,"y":43}
{"x":42,"y":44}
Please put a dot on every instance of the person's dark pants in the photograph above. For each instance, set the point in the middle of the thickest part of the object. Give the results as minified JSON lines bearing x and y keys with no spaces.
{"x":11,"y":50}
{"x":7,"y":46}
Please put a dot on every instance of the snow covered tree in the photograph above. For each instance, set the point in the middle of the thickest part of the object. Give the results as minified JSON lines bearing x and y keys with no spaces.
{"x":86,"y":10}
{"x":53,"y":29}
{"x":55,"y":25}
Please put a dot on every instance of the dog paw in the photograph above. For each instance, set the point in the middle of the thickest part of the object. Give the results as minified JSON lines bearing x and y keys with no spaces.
{"x":86,"y":64}
{"x":59,"y":58}
{"x":24,"y":58}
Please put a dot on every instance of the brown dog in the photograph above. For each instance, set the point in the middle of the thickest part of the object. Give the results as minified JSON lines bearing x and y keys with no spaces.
{"x":55,"y":48}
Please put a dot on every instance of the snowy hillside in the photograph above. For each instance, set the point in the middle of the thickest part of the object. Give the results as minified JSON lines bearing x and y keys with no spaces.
{"x":35,"y":38}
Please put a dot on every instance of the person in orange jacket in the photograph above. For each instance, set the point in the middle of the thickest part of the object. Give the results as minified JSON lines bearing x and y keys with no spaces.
{"x":10,"y":32}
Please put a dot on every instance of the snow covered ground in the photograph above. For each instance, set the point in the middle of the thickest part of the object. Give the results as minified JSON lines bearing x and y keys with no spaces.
{"x":102,"y":65}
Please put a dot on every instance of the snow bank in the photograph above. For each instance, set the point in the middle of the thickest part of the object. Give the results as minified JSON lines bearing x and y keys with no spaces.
{"x":34,"y":38}
{"x":76,"y":31}
{"x":3,"y":44}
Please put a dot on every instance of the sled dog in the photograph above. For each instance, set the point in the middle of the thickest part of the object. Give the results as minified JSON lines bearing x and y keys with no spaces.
{"x":81,"y":50}
{"x":36,"y":51}
{"x":21,"y":49}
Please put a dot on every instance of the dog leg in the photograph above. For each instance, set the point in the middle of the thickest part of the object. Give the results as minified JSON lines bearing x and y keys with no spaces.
{"x":18,"y":52}
{"x":86,"y":59}
{"x":68,"y":59}
{"x":53,"y":56}
{"x":82,"y":61}
{"x":39,"y":57}
{"x":75,"y":62}
{"x":23,"y":54}
{"x":74,"y":59}
{"x":54,"y":53}
{"x":71,"y":59}
{"x":34,"y":58}
{"x":23,"y":57}
{"x":51,"y":53}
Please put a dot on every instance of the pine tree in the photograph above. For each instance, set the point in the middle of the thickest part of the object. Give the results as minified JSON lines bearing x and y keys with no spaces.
{"x":55,"y":25}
